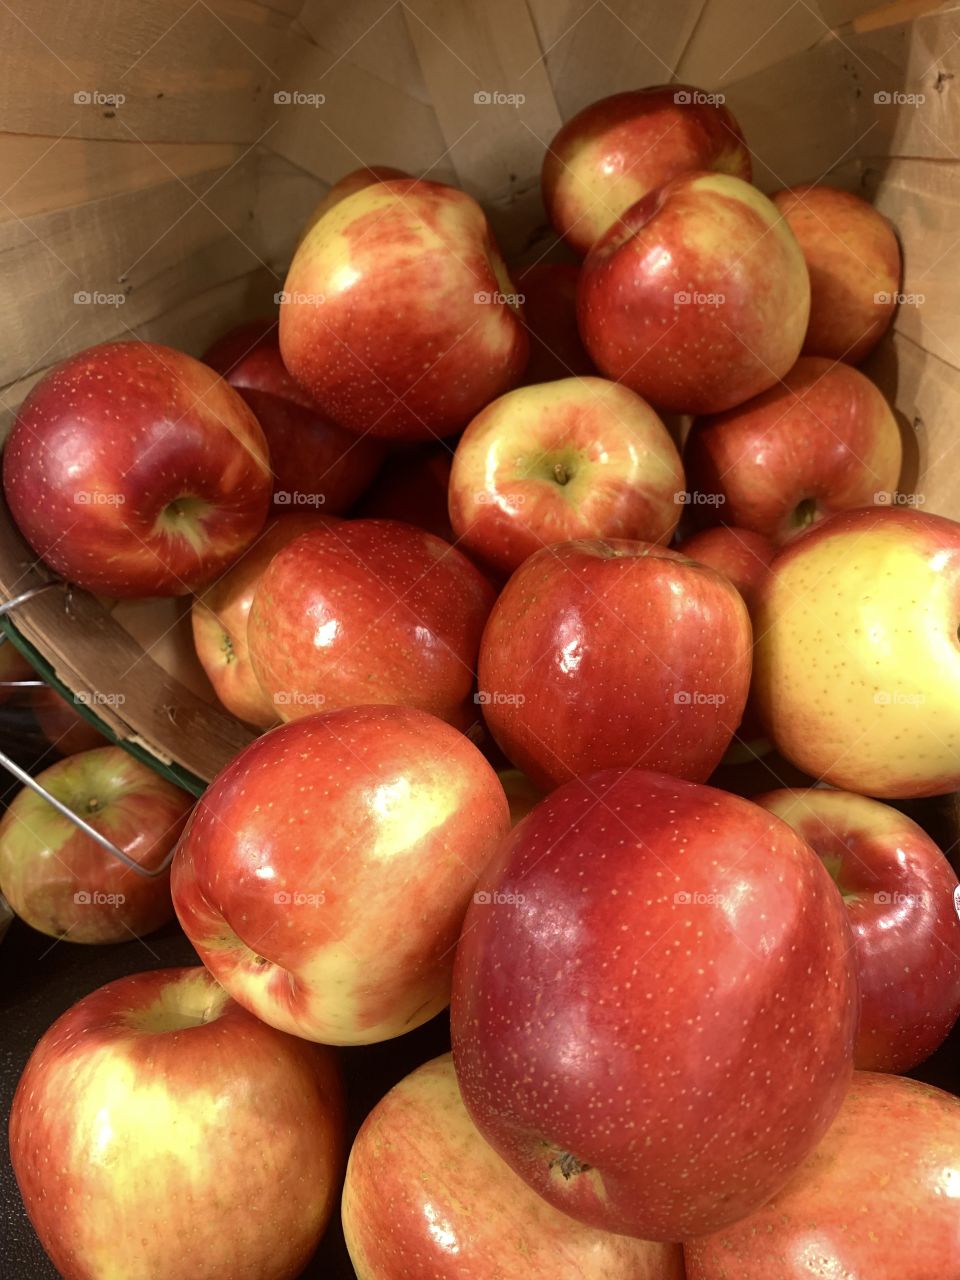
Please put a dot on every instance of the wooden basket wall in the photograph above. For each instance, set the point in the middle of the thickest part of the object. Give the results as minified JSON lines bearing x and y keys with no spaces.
{"x":168,"y":151}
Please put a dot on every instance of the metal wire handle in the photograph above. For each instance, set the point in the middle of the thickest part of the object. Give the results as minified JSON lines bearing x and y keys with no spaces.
{"x":21,"y":775}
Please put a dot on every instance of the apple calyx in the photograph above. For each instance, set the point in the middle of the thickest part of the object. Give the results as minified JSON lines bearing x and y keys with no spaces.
{"x":183,"y":518}
{"x":805,"y":513}
{"x":568,"y":1164}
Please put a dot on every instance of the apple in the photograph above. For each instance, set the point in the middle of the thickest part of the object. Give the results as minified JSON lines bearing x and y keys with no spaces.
{"x":219,"y":620}
{"x":522,"y":795}
{"x":315,"y":463}
{"x":576,"y":458}
{"x":698,"y":297}
{"x":325,"y":873}
{"x":739,"y":554}
{"x":445,"y":1205}
{"x":856,"y":664}
{"x":654,"y":1003}
{"x":549,"y":292}
{"x":855,"y":269}
{"x":412,"y":487}
{"x":616,"y":150}
{"x":353,"y":181}
{"x":823,"y":440}
{"x":899,"y":892}
{"x":150,"y":1119}
{"x":60,"y":881}
{"x":612,"y":653}
{"x":875,"y":1200}
{"x":398,"y":316}
{"x":64,"y":727}
{"x":368,"y":611}
{"x":133,"y":470}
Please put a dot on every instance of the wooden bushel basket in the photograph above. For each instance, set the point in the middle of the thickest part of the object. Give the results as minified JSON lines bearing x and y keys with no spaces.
{"x":161,"y":158}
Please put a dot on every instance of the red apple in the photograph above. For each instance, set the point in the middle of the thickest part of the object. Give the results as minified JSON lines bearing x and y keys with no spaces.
{"x":315,"y":463}
{"x":325,"y":874}
{"x":823,"y":440}
{"x":368,"y":611}
{"x":60,"y":881}
{"x":698,"y":297}
{"x":577,"y":458}
{"x":445,"y":1205}
{"x":412,"y":487}
{"x":603,"y":654}
{"x":654,"y":1003}
{"x":353,"y":181}
{"x":855,"y":267}
{"x":739,"y":554}
{"x":398,"y":316}
{"x":153,"y":1115}
{"x":133,"y":470}
{"x":875,"y":1200}
{"x":219,"y":620}
{"x":64,"y":727}
{"x":899,"y":891}
{"x":856,"y":665}
{"x":549,"y":291}
{"x":610,"y":154}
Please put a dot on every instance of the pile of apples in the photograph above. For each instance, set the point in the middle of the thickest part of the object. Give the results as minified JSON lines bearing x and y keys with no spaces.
{"x":504,"y":690}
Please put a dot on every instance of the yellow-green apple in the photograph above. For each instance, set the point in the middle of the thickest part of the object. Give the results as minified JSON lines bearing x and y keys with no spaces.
{"x":325,"y":873}
{"x":133,"y":470}
{"x":14,"y":670}
{"x":219,"y":620}
{"x":398,"y":316}
{"x":876,"y":1199}
{"x":654,"y":1003}
{"x":856,"y":665}
{"x":412,"y":487}
{"x":575,"y":458}
{"x":613,"y":653}
{"x":153,"y":1113}
{"x":697,"y":297}
{"x":610,"y":154}
{"x":855,"y":268}
{"x":522,"y":795}
{"x":60,"y":881}
{"x":899,"y":891}
{"x":549,"y":292}
{"x":445,"y":1205}
{"x":822,"y":440}
{"x":368,"y":611}
{"x":61,"y":724}
{"x":315,"y":463}
{"x":353,"y":181}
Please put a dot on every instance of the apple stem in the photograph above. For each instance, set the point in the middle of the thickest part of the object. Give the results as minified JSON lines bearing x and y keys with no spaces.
{"x":560,"y":473}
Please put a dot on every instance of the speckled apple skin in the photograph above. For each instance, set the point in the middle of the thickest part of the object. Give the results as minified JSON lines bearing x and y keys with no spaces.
{"x":368,"y":611}
{"x":381,"y":820}
{"x":603,"y":653}
{"x":739,"y":554}
{"x":875,"y":1201}
{"x":661,"y":984}
{"x":823,"y":435}
{"x":381,"y":322}
{"x":610,"y":154}
{"x":852,"y":254}
{"x":719,"y":243}
{"x":138,"y":1155}
{"x":138,"y":425}
{"x":426,"y":1196}
{"x":899,"y":890}
{"x":857,"y":665}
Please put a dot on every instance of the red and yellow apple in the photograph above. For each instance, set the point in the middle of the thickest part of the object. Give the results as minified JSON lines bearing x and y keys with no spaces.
{"x":697,"y":297}
{"x":444,"y":1205}
{"x":739,"y":554}
{"x":353,"y":181}
{"x":654,"y":1004}
{"x":150,"y":1118}
{"x":616,"y":150}
{"x":133,"y":470}
{"x":575,"y":458}
{"x":325,"y":873}
{"x":823,"y":440}
{"x":398,"y":316}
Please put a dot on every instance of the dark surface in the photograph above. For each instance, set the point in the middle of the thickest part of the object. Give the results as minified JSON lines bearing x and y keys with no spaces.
{"x":42,"y":978}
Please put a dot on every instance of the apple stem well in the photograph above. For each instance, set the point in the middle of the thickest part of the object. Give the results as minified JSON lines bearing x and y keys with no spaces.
{"x":560,"y":473}
{"x":191,"y":1002}
{"x":805,"y":513}
{"x":568,"y":1164}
